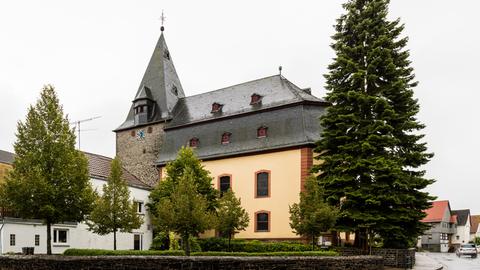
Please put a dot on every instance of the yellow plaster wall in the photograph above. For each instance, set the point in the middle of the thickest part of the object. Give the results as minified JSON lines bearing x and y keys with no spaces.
{"x":4,"y":168}
{"x":285,"y":188}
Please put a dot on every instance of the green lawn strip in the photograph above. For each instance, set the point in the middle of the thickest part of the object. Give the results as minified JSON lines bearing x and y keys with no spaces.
{"x":104,"y":252}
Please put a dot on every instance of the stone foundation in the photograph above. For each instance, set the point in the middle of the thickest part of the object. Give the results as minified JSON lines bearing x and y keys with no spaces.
{"x":399,"y":258}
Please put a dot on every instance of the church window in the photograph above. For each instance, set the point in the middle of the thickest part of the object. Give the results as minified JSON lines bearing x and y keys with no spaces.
{"x":262,"y":184}
{"x":224,"y":183}
{"x":226,"y":137}
{"x":194,"y":142}
{"x":262,"y":221}
{"x":255,"y":99}
{"x":141,"y":109}
{"x":166,"y":54}
{"x":262,"y":132}
{"x":149,"y":130}
{"x":216,"y":107}
{"x":132,"y":133}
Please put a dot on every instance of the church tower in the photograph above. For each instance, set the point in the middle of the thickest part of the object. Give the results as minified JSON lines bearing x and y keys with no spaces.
{"x":139,"y":138}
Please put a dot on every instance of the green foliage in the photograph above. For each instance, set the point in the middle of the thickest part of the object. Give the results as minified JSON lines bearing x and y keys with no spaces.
{"x":50,"y":179}
{"x":105,"y":252}
{"x":185,"y":211}
{"x":371,"y":141}
{"x":194,"y":245}
{"x":114,"y":211}
{"x":477,"y":241}
{"x":161,"y":241}
{"x":249,"y":246}
{"x":312,"y":215}
{"x":186,"y":158}
{"x":173,"y":244}
{"x":269,"y":254}
{"x":232,"y":218}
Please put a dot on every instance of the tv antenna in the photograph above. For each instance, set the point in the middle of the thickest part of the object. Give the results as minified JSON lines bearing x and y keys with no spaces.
{"x":77,"y":126}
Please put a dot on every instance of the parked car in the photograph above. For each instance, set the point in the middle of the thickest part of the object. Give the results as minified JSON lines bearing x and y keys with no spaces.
{"x":467,"y":250}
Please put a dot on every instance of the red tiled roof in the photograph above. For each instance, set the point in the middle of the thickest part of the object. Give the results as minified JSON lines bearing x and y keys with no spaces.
{"x":99,"y":168}
{"x":436,"y":212}
{"x":475,"y":222}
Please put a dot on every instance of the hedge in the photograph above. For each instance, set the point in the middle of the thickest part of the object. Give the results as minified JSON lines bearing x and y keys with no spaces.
{"x":239,"y":245}
{"x":105,"y":252}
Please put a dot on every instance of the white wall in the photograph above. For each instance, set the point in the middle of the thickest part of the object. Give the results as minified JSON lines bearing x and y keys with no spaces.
{"x":463,"y":234}
{"x":78,"y":235}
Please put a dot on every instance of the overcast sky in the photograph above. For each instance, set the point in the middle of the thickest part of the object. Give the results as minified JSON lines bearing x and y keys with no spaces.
{"x":95,"y":53}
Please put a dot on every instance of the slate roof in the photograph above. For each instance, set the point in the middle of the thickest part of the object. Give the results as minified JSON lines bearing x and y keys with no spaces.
{"x":160,"y":78}
{"x":290,"y":114}
{"x":462,"y":216}
{"x":6,"y":157}
{"x":475,"y":221}
{"x":99,"y":168}
{"x":437,"y":211}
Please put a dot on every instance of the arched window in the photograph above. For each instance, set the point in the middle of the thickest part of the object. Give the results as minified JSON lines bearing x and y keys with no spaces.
{"x":262,"y":221}
{"x":194,"y":142}
{"x":224,"y":183}
{"x":262,"y":184}
{"x":262,"y":132}
{"x":216,"y":107}
{"x":226,"y":137}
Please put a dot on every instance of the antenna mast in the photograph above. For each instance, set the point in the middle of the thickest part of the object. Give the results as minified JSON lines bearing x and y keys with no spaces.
{"x":77,"y":125}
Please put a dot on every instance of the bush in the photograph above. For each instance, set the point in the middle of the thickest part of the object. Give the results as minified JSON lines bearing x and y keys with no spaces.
{"x":105,"y":252}
{"x":194,"y":245}
{"x":160,"y":242}
{"x":249,"y":246}
{"x":267,"y":254}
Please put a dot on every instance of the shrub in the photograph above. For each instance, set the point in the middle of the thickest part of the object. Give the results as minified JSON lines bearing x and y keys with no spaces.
{"x":160,"y":242}
{"x":105,"y":252}
{"x":267,"y":254}
{"x":238,"y":245}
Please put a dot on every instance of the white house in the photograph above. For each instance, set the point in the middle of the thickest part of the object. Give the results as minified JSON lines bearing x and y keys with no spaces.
{"x":462,"y":236}
{"x":16,"y":233}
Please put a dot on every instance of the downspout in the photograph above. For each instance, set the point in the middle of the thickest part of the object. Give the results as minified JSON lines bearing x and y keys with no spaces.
{"x":1,"y":235}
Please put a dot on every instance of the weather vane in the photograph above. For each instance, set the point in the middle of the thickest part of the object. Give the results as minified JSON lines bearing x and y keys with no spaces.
{"x":162,"y":18}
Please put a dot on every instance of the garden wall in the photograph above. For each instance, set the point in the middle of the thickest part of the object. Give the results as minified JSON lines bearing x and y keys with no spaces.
{"x":399,"y":258}
{"x":187,"y":263}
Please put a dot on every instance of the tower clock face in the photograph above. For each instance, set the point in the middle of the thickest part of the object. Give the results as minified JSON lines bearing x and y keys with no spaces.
{"x":141,"y":134}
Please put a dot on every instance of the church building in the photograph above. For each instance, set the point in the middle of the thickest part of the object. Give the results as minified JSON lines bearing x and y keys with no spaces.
{"x":255,"y":138}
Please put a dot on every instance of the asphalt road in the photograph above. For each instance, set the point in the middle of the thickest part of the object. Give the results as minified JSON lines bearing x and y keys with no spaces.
{"x":451,"y":262}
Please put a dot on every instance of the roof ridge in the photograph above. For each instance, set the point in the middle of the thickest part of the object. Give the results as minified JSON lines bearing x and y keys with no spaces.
{"x":223,"y":88}
{"x":97,"y":155}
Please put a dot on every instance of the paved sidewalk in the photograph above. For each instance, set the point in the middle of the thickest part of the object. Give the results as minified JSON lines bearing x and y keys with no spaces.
{"x":423,"y":262}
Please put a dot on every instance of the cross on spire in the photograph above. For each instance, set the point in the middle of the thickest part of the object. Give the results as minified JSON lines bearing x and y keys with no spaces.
{"x":162,"y":18}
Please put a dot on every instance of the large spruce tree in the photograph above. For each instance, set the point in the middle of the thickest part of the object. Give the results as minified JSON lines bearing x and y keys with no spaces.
{"x":50,"y":179}
{"x":371,"y":142}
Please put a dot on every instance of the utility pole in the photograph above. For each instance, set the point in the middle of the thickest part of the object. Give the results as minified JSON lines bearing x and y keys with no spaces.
{"x":77,"y":126}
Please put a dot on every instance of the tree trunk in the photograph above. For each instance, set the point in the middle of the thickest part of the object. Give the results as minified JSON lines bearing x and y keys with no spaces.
{"x":313,"y":242}
{"x":115,"y":239}
{"x":49,"y":238}
{"x":186,"y":244}
{"x":229,"y":240}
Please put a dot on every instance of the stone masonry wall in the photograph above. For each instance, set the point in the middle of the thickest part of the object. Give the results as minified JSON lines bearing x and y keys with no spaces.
{"x":189,"y":263}
{"x":138,"y":155}
{"x":399,"y":258}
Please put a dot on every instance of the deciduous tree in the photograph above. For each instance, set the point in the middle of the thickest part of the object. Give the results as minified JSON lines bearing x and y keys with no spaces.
{"x":50,"y":179}
{"x":114,"y":211}
{"x":232,"y":218}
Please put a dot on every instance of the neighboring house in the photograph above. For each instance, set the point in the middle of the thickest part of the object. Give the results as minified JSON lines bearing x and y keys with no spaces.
{"x":255,"y":138}
{"x":462,"y":236}
{"x":6,"y":161}
{"x":16,"y":233}
{"x":443,"y":226}
{"x":475,"y":229}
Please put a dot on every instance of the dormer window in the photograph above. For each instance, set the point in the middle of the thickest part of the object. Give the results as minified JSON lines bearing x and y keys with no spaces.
{"x":262,"y":132}
{"x":194,"y":142}
{"x":216,"y":107}
{"x":166,"y":54}
{"x":256,"y":99}
{"x":226,"y":137}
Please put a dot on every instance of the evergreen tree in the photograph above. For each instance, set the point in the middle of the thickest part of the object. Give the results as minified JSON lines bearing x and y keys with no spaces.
{"x":232,"y":218}
{"x":186,"y":158}
{"x":185,"y":212}
{"x":312,"y":215}
{"x":371,"y":146}
{"x":114,"y":211}
{"x":50,"y":179}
